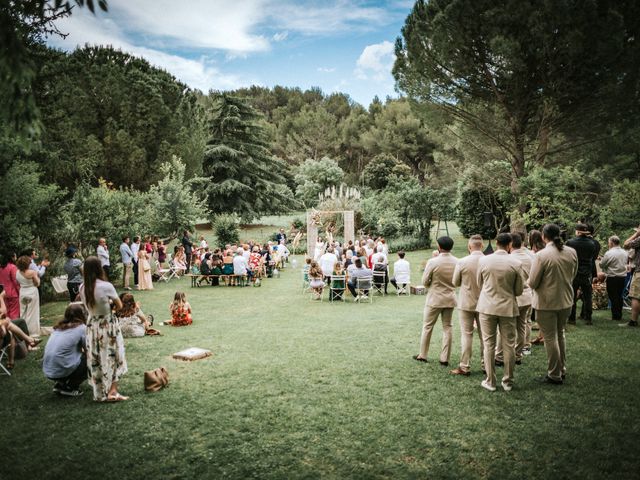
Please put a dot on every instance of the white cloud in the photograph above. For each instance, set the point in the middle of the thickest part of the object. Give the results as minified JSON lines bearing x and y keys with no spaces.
{"x":375,"y":61}
{"x":326,"y":70}
{"x":280,"y":36}
{"x":197,"y":73}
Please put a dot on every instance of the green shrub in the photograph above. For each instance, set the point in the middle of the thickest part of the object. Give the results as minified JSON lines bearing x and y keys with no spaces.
{"x":471,"y":206}
{"x":409,"y":243}
{"x":227,"y":228}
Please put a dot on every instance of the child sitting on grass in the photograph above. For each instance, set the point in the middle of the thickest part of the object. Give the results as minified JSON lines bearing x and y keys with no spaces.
{"x":180,"y":311}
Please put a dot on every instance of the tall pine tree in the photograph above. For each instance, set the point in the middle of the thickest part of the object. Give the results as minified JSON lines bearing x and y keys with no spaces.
{"x":242,"y":175}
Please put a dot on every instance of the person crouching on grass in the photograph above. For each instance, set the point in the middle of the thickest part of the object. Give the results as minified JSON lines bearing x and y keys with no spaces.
{"x":64,"y":360}
{"x":180,"y":311}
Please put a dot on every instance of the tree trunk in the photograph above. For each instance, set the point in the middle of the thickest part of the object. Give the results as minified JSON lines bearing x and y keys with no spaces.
{"x":517,"y":172}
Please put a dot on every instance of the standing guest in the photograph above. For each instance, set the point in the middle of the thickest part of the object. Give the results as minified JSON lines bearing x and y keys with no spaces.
{"x":29,"y":297}
{"x":614,"y":266}
{"x":327,"y":263}
{"x":40,"y":269}
{"x":180,"y":311}
{"x":145,"y":281}
{"x":465,"y":276}
{"x":401,"y":273}
{"x":162,"y":253}
{"x":441,"y":299}
{"x":147,"y":244}
{"x":203,"y":243}
{"x":64,"y":360}
{"x":551,"y":280}
{"x":500,"y":281}
{"x":103,"y":255}
{"x":281,"y":236}
{"x":357,"y":270}
{"x":135,"y":248}
{"x":188,"y":248}
{"x":73,"y":269}
{"x":127,"y":261}
{"x":104,"y":344}
{"x":633,"y":243}
{"x":585,"y":247}
{"x":8,"y":272}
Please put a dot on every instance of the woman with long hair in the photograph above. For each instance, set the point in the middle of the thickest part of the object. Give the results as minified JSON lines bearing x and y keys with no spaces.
{"x":104,"y":346}
{"x":551,"y":280}
{"x":316,"y":280}
{"x":29,"y":297}
{"x":145,"y":280}
{"x":8,"y":279}
{"x":180,"y":311}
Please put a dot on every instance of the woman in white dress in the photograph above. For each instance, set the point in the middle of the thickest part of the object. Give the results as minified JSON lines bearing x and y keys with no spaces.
{"x":29,"y":297}
{"x":145,"y":281}
{"x":319,"y":250}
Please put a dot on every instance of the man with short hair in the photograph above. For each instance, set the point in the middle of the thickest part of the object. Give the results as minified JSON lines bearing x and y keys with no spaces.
{"x":379,"y":263}
{"x":240,"y":265}
{"x":585,"y":247}
{"x":524,"y":301}
{"x":135,"y":248}
{"x":42,"y":268}
{"x":357,"y":270}
{"x":465,"y":276}
{"x":500,"y":282}
{"x":441,"y":299}
{"x":103,"y":255}
{"x":327,"y":263}
{"x":614,"y":266}
{"x":401,"y":273}
{"x":127,"y":261}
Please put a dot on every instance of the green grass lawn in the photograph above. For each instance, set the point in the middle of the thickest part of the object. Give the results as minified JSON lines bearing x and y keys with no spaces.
{"x":298,"y":388}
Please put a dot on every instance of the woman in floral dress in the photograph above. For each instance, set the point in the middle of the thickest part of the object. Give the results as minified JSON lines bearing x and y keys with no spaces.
{"x":104,"y":346}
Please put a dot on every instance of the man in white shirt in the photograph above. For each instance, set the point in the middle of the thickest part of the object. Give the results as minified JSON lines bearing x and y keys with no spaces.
{"x":401,"y":273}
{"x":614,"y":266}
{"x":135,"y":248}
{"x":327,"y":263}
{"x":240,"y":265}
{"x":103,"y":255}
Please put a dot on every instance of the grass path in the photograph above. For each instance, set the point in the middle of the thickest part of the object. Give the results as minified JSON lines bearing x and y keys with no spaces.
{"x":302,"y":389}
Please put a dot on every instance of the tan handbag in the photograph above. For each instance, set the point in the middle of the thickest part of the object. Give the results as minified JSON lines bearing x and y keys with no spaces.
{"x":155,"y":380}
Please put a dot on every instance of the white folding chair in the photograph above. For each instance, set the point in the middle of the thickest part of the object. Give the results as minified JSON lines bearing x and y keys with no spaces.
{"x":305,"y":279}
{"x":337,"y":286}
{"x":404,"y":288}
{"x":363,"y":289}
{"x":4,"y":352}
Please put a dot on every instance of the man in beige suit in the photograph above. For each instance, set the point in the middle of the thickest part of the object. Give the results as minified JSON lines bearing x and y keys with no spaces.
{"x":551,"y":279}
{"x":524,"y":301}
{"x":500,"y":281}
{"x":441,"y":299}
{"x":465,"y":276}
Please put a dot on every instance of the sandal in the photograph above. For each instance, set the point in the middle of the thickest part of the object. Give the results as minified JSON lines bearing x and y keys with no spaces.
{"x":35,"y":343}
{"x":116,"y":398}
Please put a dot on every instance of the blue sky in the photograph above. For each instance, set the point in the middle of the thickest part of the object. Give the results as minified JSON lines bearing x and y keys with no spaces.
{"x":337,"y":45}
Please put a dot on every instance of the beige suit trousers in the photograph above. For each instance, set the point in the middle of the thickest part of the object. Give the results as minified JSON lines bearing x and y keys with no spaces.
{"x":489,"y":325}
{"x":431,"y":315}
{"x":524,"y":316}
{"x":467,"y":320}
{"x":128,"y":270}
{"x":552,"y":325}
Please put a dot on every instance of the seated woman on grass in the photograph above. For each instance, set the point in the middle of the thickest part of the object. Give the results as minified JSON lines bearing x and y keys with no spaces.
{"x":11,"y":334}
{"x":180,"y":311}
{"x":133,"y":321}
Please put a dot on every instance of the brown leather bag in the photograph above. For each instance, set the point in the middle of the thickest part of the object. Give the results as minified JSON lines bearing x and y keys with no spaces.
{"x":155,"y":380}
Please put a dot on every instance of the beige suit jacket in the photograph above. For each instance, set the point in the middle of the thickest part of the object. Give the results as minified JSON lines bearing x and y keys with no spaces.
{"x":551,"y":278}
{"x":438,"y":278}
{"x":465,"y":276}
{"x":500,"y":282}
{"x":526,"y":259}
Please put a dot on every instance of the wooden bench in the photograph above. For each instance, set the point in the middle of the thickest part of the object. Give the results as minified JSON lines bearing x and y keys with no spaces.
{"x":226,"y":278}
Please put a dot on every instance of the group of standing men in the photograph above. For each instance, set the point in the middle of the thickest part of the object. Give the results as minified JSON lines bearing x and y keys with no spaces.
{"x":497,"y":294}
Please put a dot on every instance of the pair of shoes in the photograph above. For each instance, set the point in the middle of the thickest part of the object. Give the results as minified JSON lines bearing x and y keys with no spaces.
{"x":499,"y":363}
{"x":630,"y":323}
{"x":167,"y":322}
{"x":487,"y":386}
{"x":444,"y":364}
{"x":70,"y":393}
{"x":420,"y":359}
{"x":526,"y":351}
{"x":549,"y":381}
{"x":364,"y":297}
{"x":459,"y":371}
{"x":506,"y":387}
{"x":58,"y":387}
